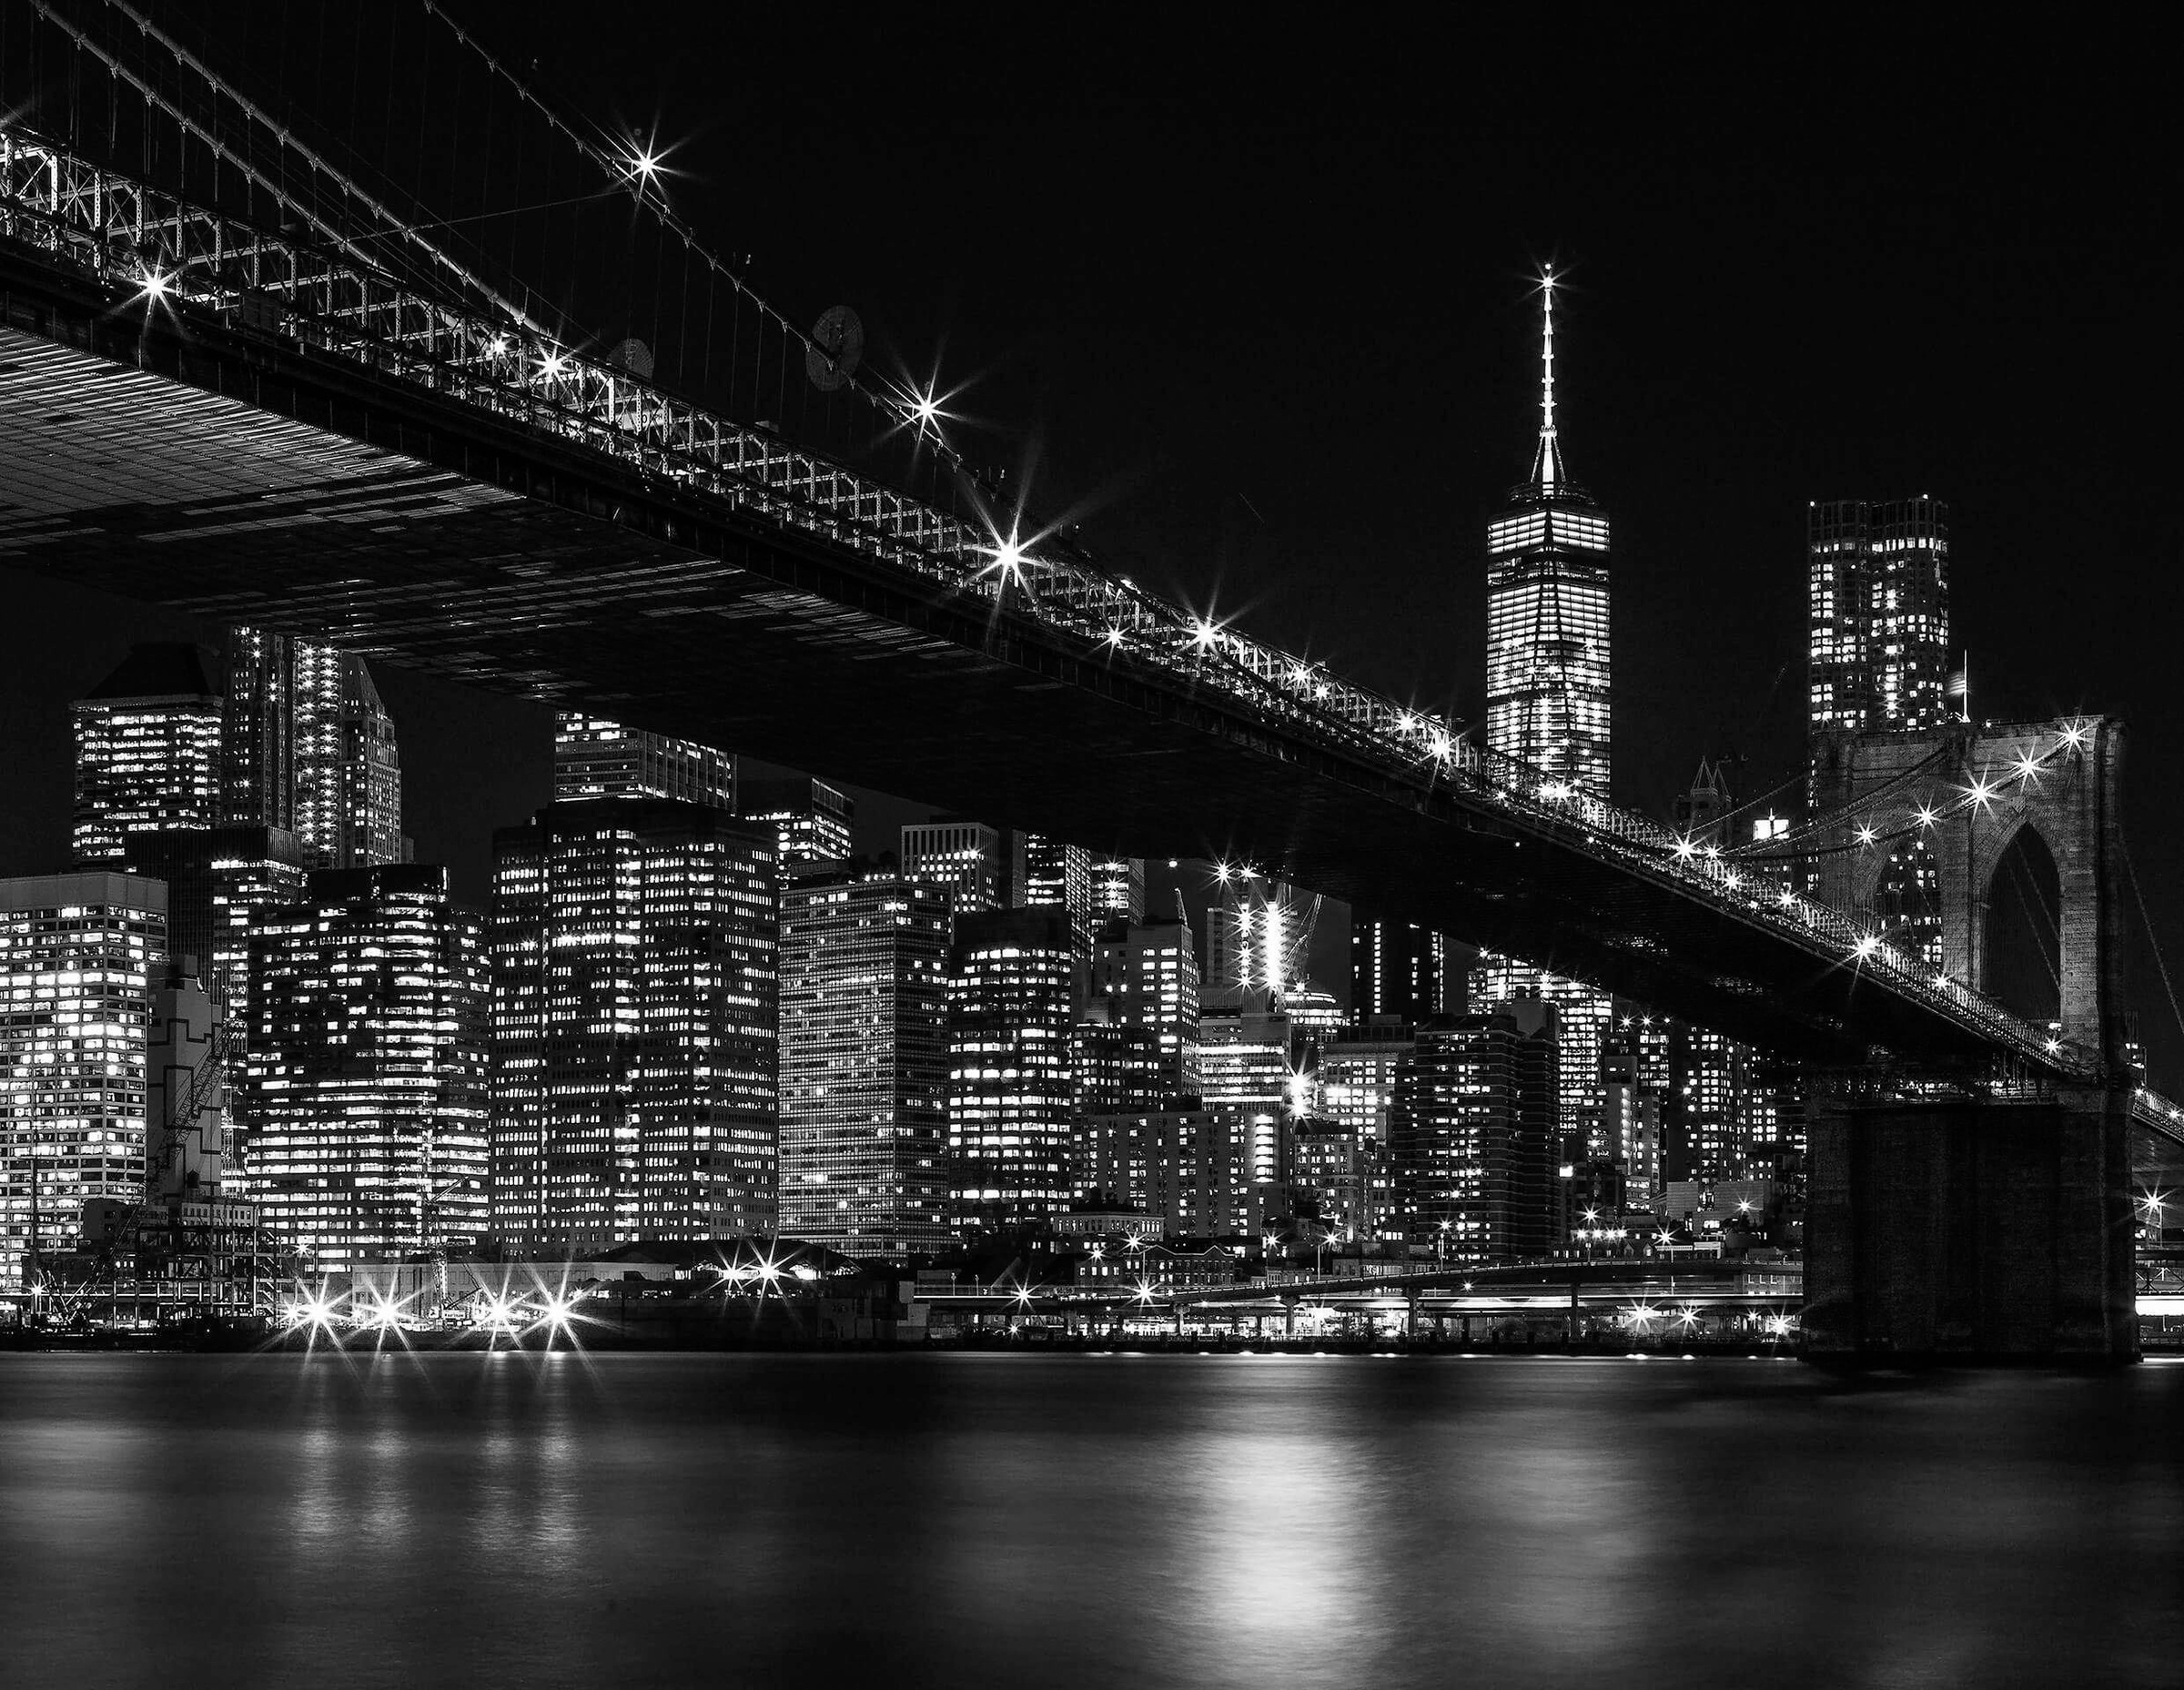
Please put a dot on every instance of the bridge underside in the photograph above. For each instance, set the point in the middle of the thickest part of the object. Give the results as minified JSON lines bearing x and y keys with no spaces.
{"x":240,"y":478}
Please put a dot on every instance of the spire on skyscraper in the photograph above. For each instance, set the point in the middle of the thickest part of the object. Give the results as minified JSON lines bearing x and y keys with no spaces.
{"x":1547,"y":464}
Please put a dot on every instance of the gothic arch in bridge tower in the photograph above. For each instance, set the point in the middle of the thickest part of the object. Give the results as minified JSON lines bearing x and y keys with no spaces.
{"x":1968,"y":792}
{"x":2020,"y":925}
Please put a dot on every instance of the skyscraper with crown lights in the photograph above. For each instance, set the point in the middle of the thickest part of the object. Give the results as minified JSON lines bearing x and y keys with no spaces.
{"x":1547,"y":676}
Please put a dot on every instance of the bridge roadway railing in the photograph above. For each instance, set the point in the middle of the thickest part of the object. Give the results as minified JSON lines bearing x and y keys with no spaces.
{"x":165,"y":253}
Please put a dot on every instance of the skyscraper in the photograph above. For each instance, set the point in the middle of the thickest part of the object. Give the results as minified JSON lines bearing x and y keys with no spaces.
{"x":1547,"y":676}
{"x":1472,"y":1131}
{"x":148,"y":752}
{"x":1547,"y":612}
{"x":308,"y":746}
{"x":634,"y":1003}
{"x":1117,"y":888}
{"x":365,"y":1074}
{"x":815,"y":821}
{"x":964,"y":858}
{"x":1051,"y":874}
{"x":215,"y":878}
{"x":1397,"y":968}
{"x":1147,"y":973}
{"x":1012,"y":1015}
{"x":80,"y":955}
{"x":1243,"y":1065}
{"x":865,"y":1063}
{"x":1878,"y":573}
{"x":596,"y":758}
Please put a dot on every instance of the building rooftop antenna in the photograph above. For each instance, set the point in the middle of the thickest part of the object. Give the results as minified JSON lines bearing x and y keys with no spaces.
{"x":1547,"y":469}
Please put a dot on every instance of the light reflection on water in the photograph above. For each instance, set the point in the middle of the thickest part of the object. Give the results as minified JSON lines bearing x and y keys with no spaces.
{"x":517,"y":1520}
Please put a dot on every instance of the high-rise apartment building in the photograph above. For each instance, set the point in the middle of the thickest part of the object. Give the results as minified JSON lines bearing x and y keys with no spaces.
{"x":1117,"y":888}
{"x":1148,"y":974}
{"x":634,"y":1003}
{"x":1547,"y":685}
{"x":148,"y":752}
{"x":1120,"y":1068}
{"x":308,"y":746}
{"x":865,"y":1063}
{"x":1353,"y":1083}
{"x":596,"y":758}
{"x":80,"y":957}
{"x":816,"y":821}
{"x":1474,"y":1133}
{"x":967,"y":859}
{"x":1013,"y":993}
{"x":1397,"y":968}
{"x":365,"y":1079}
{"x":1878,"y":574}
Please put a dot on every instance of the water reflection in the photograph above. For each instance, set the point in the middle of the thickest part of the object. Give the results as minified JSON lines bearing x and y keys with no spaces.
{"x":527,"y":1520}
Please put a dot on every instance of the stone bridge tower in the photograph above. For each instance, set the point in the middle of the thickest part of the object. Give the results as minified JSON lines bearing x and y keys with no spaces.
{"x":1983,"y":786}
{"x":1974,"y":1219}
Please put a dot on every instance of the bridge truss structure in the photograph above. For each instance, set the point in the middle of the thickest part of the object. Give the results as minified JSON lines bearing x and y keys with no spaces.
{"x":311,"y":289}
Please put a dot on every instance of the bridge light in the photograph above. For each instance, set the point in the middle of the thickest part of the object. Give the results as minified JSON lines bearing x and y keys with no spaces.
{"x":1009,"y":558}
{"x":1867,"y":944}
{"x":1928,"y":815}
{"x":1113,"y":636}
{"x":1866,"y":835}
{"x":2053,"y":1045}
{"x":1439,"y":744}
{"x":1786,"y":898}
{"x":2029,"y":768}
{"x":496,"y":346}
{"x":551,"y":364}
{"x":1732,"y":880}
{"x":1685,"y":850}
{"x":1980,"y":792}
{"x":1205,"y":634}
{"x":1221,"y":873}
{"x":2075,"y":734}
{"x":155,"y":285}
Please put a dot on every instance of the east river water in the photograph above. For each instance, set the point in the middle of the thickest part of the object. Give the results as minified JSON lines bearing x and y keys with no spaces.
{"x":972,"y":1520}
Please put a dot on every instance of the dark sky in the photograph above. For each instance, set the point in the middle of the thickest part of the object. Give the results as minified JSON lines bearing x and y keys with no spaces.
{"x":1251,"y":297}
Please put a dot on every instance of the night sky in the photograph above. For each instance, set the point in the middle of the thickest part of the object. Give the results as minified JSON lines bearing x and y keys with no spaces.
{"x":1253,"y":306}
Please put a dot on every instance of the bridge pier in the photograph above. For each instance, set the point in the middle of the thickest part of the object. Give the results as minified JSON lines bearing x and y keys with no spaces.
{"x":1971,"y":1230}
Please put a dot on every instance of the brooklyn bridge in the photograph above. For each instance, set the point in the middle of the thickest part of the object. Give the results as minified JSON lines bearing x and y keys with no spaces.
{"x":236,"y":381}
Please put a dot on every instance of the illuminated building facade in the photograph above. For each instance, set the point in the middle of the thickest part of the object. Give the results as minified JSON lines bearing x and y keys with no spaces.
{"x":1258,"y":942}
{"x":1117,"y":888}
{"x":1878,"y":578}
{"x":634,"y":1006}
{"x":148,"y":752}
{"x":865,"y":1064}
{"x":596,"y":758}
{"x":1049,"y":875}
{"x":1397,"y":968}
{"x":80,"y":957}
{"x":1473,"y":1135}
{"x":1547,"y":685}
{"x":1147,"y":973}
{"x":308,"y":746}
{"x":1340,"y":1171}
{"x":816,"y":821}
{"x":1119,"y":1067}
{"x":1190,"y":1169}
{"x":365,"y":1079}
{"x":1353,"y":1083}
{"x":1243,"y":1065}
{"x":965,"y":858}
{"x":1013,"y":991}
{"x":215,"y":878}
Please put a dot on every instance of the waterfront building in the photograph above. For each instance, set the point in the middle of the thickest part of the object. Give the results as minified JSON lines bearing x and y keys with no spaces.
{"x":1337,"y":1170}
{"x":1397,"y":968}
{"x":865,"y":1063}
{"x":635,"y":1011}
{"x":79,"y":957}
{"x":1474,"y":1133}
{"x":1117,"y":889}
{"x":148,"y":752}
{"x":597,"y":758}
{"x":1147,"y":973}
{"x":1013,"y":993}
{"x":965,"y":858}
{"x":816,"y":821}
{"x":1189,"y":1169}
{"x":308,"y":746}
{"x":365,"y":1081}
